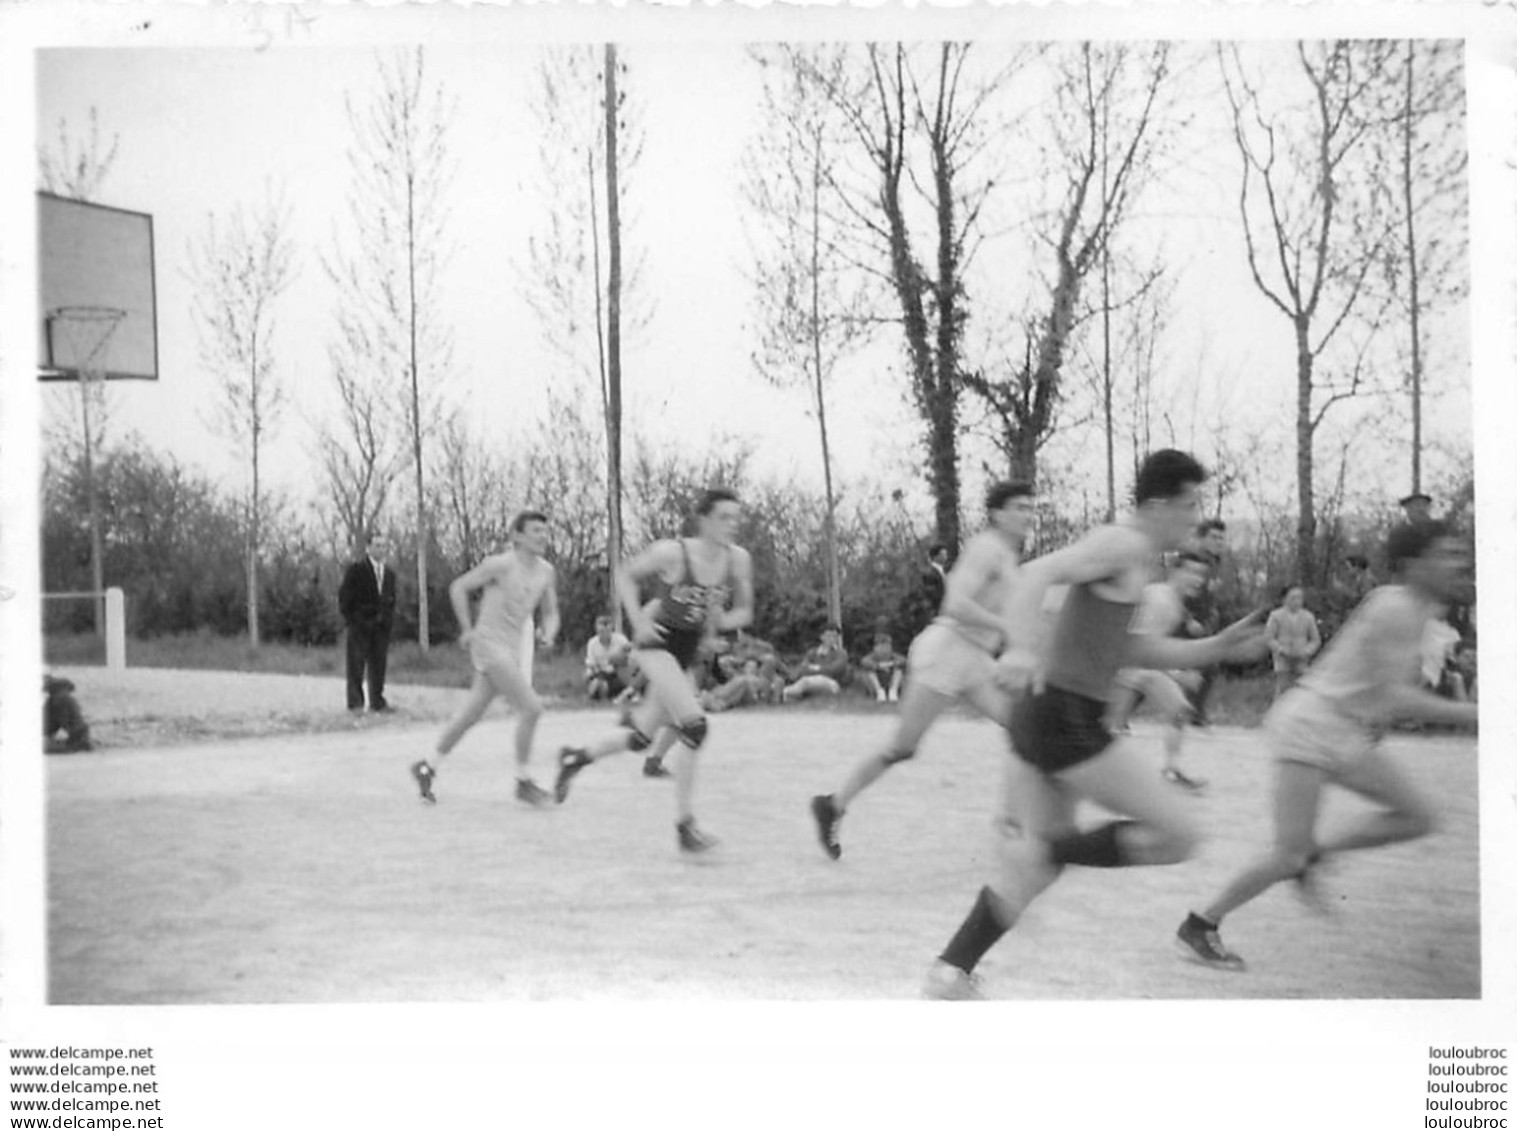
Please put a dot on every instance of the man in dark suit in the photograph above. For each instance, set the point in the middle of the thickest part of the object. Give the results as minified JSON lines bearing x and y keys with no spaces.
{"x":366,"y":600}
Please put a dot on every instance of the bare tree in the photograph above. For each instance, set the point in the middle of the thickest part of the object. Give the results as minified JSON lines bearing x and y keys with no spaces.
{"x":1109,"y":121}
{"x":917,"y":124}
{"x":1315,"y":223}
{"x":591,"y":136}
{"x":238,"y":272}
{"x":392,"y":331}
{"x":1425,"y":265}
{"x":811,"y":305}
{"x":76,"y":169}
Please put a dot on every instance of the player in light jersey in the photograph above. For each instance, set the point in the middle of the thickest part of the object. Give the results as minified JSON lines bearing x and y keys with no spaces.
{"x":1063,"y":751}
{"x":513,"y":586}
{"x":953,"y":658}
{"x":702,"y":585}
{"x":1162,"y":613}
{"x":1327,"y":729}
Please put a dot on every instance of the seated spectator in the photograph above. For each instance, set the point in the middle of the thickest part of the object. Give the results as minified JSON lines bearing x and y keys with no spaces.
{"x":637,"y":683}
{"x":747,"y":685}
{"x":1293,"y":638}
{"x":884,"y":669}
{"x":823,"y":670}
{"x":608,"y":654}
{"x":64,"y":730}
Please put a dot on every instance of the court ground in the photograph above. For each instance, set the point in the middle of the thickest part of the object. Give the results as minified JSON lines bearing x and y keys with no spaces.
{"x":305,"y":869}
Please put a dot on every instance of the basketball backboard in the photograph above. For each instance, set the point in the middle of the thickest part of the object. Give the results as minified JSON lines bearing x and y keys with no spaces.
{"x":97,"y":291}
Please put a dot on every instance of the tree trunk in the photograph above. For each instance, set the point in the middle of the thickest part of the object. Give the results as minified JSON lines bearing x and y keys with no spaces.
{"x":1111,"y":453}
{"x":1411,"y":259}
{"x":423,"y":542}
{"x":613,"y":323}
{"x":1306,"y":521}
{"x":254,"y":434}
{"x":834,"y":574}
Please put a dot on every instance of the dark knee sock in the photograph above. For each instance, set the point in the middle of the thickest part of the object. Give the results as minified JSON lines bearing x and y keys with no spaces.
{"x":1100,"y":847}
{"x":980,"y":931}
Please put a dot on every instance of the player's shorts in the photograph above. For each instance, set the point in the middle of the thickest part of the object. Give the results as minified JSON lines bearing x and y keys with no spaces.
{"x":683,"y":644}
{"x":1304,"y":727}
{"x":944,"y":661}
{"x":488,"y":652}
{"x":1159,"y":688}
{"x":1057,"y":729}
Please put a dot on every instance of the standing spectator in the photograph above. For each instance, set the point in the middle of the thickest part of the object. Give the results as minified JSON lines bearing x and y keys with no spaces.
{"x":366,"y":601}
{"x":927,"y":596}
{"x":607,"y":655}
{"x":823,"y":670}
{"x":884,"y":668}
{"x":1441,"y":673}
{"x":1202,"y":615}
{"x":64,"y":730}
{"x":1293,"y":638}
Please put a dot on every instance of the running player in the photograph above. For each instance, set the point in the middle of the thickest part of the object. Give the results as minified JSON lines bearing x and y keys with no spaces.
{"x":953,"y":659}
{"x":514,"y":586}
{"x":695,"y":580}
{"x":1063,"y":750}
{"x":1327,"y":729}
{"x":1163,"y":613}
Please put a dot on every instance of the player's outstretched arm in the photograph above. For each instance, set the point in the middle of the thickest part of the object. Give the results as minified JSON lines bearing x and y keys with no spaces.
{"x":740,"y":615}
{"x":1393,"y":639}
{"x":1240,"y":642}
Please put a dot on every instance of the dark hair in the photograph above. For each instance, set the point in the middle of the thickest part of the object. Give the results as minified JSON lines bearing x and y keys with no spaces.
{"x":711,"y":497}
{"x":1411,"y":540}
{"x":605,"y":619}
{"x":1209,"y":525}
{"x":1166,"y":473}
{"x":519,"y":523}
{"x":1004,"y":491}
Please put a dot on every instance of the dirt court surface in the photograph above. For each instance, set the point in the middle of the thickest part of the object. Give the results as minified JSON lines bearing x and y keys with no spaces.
{"x":306,"y":869}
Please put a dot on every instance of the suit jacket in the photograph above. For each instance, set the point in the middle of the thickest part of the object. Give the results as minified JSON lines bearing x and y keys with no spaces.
{"x":359,"y":599}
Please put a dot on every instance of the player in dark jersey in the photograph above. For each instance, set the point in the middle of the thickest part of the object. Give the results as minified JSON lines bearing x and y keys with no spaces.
{"x":701,"y":586}
{"x":1063,"y":751}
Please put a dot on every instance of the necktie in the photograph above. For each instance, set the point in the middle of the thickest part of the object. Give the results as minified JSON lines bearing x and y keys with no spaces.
{"x":379,"y":575}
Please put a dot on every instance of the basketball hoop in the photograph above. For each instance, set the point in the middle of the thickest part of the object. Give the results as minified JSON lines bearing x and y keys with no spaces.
{"x":86,"y":333}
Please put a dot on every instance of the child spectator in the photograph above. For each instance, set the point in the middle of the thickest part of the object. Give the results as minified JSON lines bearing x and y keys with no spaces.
{"x":884,"y":669}
{"x":607,"y":655}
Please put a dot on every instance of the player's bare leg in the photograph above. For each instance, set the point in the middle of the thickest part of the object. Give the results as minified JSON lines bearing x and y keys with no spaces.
{"x":481,"y":691}
{"x":920,"y":708}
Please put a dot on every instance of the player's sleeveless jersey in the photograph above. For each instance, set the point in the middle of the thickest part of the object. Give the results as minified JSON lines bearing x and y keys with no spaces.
{"x":683,"y":603}
{"x":993,"y":596}
{"x":508,"y":600}
{"x":1161,"y":612}
{"x":1089,"y":644}
{"x":1347,"y":675}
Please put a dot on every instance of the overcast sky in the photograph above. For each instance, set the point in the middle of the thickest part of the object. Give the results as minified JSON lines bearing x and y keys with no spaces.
{"x":202,"y":130}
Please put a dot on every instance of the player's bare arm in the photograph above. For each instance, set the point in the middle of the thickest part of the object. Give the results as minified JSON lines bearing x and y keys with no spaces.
{"x":659,"y":558}
{"x":1395,"y":632}
{"x":1239,"y":642}
{"x":740,"y":615}
{"x":464,"y":586}
{"x":548,"y":603}
{"x":1111,"y":553}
